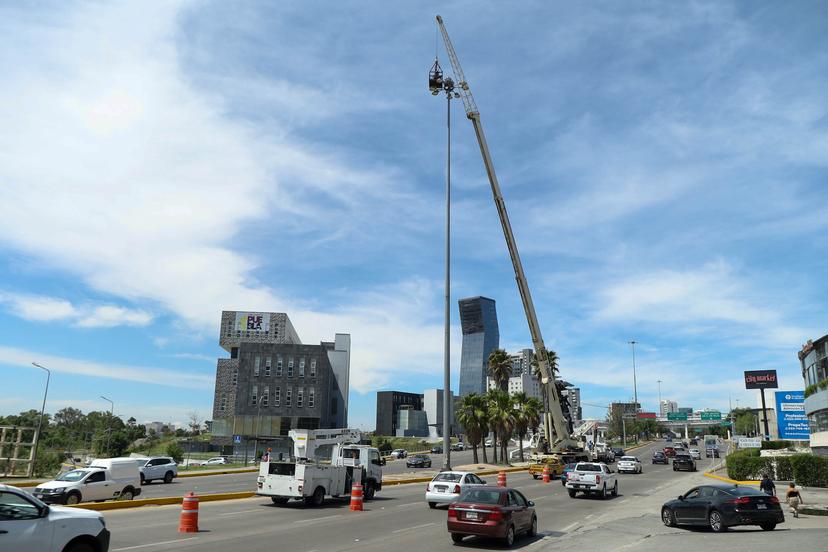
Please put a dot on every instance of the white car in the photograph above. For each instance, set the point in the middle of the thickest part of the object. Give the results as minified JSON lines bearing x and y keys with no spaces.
{"x":695,"y":454}
{"x":399,"y":453}
{"x":215,"y":461}
{"x":489,"y":442}
{"x":446,"y":487}
{"x":162,"y":468}
{"x":630,"y":464}
{"x":26,"y":523}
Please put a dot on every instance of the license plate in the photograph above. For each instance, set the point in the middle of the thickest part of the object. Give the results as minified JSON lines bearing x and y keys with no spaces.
{"x":471,"y":515}
{"x":761,"y":506}
{"x":441,"y":489}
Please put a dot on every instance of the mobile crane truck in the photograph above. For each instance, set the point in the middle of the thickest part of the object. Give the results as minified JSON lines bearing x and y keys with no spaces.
{"x":322,"y":463}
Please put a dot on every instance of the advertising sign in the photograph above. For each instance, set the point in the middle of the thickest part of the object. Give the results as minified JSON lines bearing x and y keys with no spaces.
{"x":252,"y":322}
{"x":647,"y":415}
{"x":711,"y":415}
{"x":677,"y":415}
{"x":790,"y":416}
{"x":750,"y":442}
{"x":761,"y":379}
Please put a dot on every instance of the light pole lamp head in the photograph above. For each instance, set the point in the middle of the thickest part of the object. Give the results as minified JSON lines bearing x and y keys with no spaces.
{"x":435,"y":78}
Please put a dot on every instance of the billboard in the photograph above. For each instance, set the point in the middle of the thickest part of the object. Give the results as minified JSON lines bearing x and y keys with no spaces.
{"x":647,"y":415}
{"x":252,"y":322}
{"x":761,"y":379}
{"x":790,"y":416}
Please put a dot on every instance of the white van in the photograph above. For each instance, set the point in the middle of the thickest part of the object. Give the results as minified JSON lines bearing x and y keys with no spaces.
{"x":104,"y":479}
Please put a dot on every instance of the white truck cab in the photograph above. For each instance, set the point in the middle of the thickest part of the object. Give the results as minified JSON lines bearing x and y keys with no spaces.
{"x":104,"y":479}
{"x":592,"y":478}
{"x":27,"y":523}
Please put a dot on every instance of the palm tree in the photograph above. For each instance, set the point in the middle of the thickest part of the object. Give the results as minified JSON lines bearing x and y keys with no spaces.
{"x":552,"y":357}
{"x":500,"y":368}
{"x":527,"y":415}
{"x":472,"y":416}
{"x":501,"y":418}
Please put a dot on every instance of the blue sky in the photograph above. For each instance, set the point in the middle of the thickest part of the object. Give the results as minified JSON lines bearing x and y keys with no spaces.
{"x":664,"y":166}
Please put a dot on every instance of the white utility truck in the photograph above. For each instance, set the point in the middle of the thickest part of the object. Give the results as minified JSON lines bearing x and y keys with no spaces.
{"x":323,"y":462}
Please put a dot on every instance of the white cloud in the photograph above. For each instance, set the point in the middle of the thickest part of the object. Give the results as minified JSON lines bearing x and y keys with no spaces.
{"x":108,"y":316}
{"x":40,"y":308}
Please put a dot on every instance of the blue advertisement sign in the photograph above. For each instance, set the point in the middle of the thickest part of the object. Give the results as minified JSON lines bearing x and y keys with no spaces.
{"x":790,"y":416}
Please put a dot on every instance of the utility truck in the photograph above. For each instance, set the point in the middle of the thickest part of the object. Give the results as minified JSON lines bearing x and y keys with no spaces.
{"x":321,"y":463}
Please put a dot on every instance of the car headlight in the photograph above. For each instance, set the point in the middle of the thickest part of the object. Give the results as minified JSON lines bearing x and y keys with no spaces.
{"x":103,"y":521}
{"x":56,"y":491}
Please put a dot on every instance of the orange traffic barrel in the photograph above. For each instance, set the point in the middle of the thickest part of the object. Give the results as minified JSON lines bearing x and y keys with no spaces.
{"x":356,"y":497}
{"x":501,"y":478}
{"x":189,"y":514}
{"x":546,"y":474}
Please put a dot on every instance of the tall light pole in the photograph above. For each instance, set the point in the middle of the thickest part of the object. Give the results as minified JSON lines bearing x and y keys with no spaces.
{"x":659,"y":397}
{"x":635,"y":384}
{"x":436,"y":84}
{"x":258,"y":427}
{"x":109,"y":423}
{"x":40,"y":420}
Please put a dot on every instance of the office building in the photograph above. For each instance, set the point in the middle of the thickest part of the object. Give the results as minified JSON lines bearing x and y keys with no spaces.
{"x":685,"y":409}
{"x":813,"y":359}
{"x":478,"y":320}
{"x":339,"y":355}
{"x":667,"y":406}
{"x":412,"y":423}
{"x":573,"y":396}
{"x":433,"y":407}
{"x":389,"y":404}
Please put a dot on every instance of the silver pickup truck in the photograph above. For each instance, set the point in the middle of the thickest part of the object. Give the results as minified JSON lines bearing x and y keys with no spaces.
{"x":592,"y":478}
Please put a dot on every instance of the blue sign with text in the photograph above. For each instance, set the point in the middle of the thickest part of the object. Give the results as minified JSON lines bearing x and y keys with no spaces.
{"x":790,"y":416}
{"x":237,"y":439}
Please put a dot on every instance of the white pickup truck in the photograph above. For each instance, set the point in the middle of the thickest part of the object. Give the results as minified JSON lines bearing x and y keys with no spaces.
{"x":592,"y":478}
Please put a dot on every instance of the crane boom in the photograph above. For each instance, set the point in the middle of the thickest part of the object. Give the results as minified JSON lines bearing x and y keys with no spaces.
{"x":554,"y":417}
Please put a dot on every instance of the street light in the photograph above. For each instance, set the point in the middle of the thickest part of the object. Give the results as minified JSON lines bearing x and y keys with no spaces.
{"x":109,"y":422}
{"x":40,"y":420}
{"x":258,"y":427}
{"x":659,"y":397}
{"x":635,"y":385}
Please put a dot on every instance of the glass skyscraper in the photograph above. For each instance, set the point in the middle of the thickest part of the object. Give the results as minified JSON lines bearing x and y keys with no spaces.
{"x":478,"y":319}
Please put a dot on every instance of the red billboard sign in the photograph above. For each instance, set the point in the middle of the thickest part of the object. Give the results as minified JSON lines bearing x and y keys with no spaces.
{"x":648,"y":415}
{"x":761,"y":379}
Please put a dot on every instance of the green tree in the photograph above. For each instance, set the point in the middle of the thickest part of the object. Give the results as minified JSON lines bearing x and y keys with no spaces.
{"x":745,"y":424}
{"x":500,"y":368}
{"x":471,"y":414}
{"x":501,"y":419}
{"x":175,"y":451}
{"x":527,"y":415}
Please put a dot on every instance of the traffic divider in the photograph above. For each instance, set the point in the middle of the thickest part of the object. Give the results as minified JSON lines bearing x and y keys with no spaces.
{"x":546,"y":474}
{"x":356,"y":497}
{"x":188,"y":523}
{"x":501,"y":478}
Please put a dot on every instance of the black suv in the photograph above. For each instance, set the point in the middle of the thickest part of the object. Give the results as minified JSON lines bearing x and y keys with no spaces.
{"x":660,"y":458}
{"x":684,"y":462}
{"x":712,"y":452}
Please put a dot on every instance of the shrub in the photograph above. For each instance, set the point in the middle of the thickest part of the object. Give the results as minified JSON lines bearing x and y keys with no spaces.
{"x":810,"y":470}
{"x":810,"y":390}
{"x":775,"y":445}
{"x":175,"y":451}
{"x":48,"y":463}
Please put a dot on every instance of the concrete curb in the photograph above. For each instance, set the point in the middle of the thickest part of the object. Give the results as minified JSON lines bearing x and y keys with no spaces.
{"x":223,"y":472}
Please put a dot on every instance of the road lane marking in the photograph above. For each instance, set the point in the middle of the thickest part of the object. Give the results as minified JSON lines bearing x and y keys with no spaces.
{"x":316,"y":519}
{"x":570,"y":526}
{"x":415,"y":527}
{"x":240,"y":512}
{"x":588,"y":516}
{"x":407,"y":505}
{"x":153,"y":544}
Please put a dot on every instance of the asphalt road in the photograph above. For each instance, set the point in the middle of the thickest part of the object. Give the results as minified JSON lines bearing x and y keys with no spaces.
{"x":397,"y":519}
{"x":247,"y":481}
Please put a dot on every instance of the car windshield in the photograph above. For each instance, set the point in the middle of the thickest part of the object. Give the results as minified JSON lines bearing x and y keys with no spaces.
{"x":479,"y":496}
{"x":74,"y":475}
{"x":744,"y":491}
{"x":453,"y":477}
{"x":658,"y":454}
{"x":588,"y":467}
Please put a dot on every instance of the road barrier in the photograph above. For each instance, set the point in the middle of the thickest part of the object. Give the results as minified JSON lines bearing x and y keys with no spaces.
{"x":501,"y":478}
{"x":546,"y":474}
{"x":356,"y":497}
{"x":189,"y":514}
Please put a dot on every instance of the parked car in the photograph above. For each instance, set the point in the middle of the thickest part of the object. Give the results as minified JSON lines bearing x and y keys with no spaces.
{"x":488,"y":442}
{"x":555,"y":467}
{"x":669,"y":452}
{"x":498,"y":512}
{"x":592,"y":478}
{"x":660,"y":458}
{"x":446,"y":486}
{"x":27,"y":523}
{"x":399,"y":453}
{"x":684,"y":462}
{"x":723,"y":506}
{"x":695,"y":454}
{"x":566,"y":469}
{"x":458,"y":446}
{"x":418,"y":461}
{"x":630,"y":464}
{"x":161,"y":468}
{"x":668,"y":439}
{"x":215,"y":461}
{"x":712,"y":452}
{"x":437,"y":450}
{"x":104,"y":479}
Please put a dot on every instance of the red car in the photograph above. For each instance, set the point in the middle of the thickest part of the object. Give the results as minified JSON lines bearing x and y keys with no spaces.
{"x":669,"y":452}
{"x":497,"y":512}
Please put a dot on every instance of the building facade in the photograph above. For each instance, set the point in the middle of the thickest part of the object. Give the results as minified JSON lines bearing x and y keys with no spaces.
{"x":478,"y":320}
{"x":339,"y":355}
{"x":573,"y":396}
{"x":813,"y":359}
{"x":666,"y":406}
{"x":433,"y":407}
{"x":412,"y":423}
{"x":389,"y":404}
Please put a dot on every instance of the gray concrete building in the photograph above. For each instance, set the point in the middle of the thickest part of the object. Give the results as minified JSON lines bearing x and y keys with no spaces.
{"x":389,"y":404}
{"x":433,"y":407}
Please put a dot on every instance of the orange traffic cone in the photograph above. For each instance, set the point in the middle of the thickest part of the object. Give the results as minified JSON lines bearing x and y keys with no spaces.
{"x":356,"y":497}
{"x":189,"y":514}
{"x":546,"y":474}
{"x":501,"y":478}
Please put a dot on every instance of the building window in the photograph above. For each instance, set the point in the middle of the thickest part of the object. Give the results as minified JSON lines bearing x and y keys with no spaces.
{"x":279,"y":366}
{"x":311,"y":397}
{"x":301,"y":367}
{"x":267,"y":366}
{"x":287,"y":396}
{"x":223,"y":402}
{"x":266,"y":396}
{"x":235,"y":377}
{"x":300,"y":395}
{"x":254,"y":396}
{"x":256,"y":363}
{"x":313,"y":368}
{"x":290,"y":367}
{"x":277,"y":396}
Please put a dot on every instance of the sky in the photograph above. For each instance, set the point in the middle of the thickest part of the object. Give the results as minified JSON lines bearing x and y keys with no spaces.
{"x":664,"y":167}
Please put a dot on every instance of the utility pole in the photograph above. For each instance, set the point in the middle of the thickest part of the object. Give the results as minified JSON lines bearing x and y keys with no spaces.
{"x":109,"y":423}
{"x":659,"y":397}
{"x":635,"y":384}
{"x":40,"y":420}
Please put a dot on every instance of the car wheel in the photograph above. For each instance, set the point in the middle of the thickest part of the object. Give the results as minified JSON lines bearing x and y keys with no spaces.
{"x":533,"y":527}
{"x":767,"y":526}
{"x":279,"y":500}
{"x":615,"y":489}
{"x":72,"y":498}
{"x":534,"y":476}
{"x":80,"y":547}
{"x":369,"y":491}
{"x":143,"y":480}
{"x":432,"y":505}
{"x":127,"y":494}
{"x":317,"y":498}
{"x":168,"y":477}
{"x":674,"y":468}
{"x":714,"y":519}
{"x":510,"y":536}
{"x":667,"y":517}
{"x":604,"y":492}
{"x":572,"y":493}
{"x":456,"y":537}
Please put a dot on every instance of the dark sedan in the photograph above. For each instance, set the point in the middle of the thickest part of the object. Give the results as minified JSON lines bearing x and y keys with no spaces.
{"x":618,"y":452}
{"x":497,"y":512}
{"x":437,"y":450}
{"x":684,"y":462}
{"x":418,"y":461}
{"x":660,"y":458}
{"x":723,"y":506}
{"x":712,"y":452}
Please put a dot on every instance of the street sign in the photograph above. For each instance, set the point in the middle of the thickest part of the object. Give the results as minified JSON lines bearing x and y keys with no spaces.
{"x":750,"y":442}
{"x":725,"y":423}
{"x":677,"y":416}
{"x":237,"y":439}
{"x":790,"y":416}
{"x":711,"y":415}
{"x":761,"y":379}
